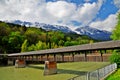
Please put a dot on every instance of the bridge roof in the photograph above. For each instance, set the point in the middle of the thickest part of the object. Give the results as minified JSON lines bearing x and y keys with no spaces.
{"x":85,"y":47}
{"x":3,"y":54}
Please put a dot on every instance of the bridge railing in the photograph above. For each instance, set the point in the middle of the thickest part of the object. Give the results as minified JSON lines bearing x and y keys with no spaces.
{"x":97,"y":74}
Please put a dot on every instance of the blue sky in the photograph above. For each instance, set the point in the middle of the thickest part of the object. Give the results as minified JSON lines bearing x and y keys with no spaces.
{"x":100,"y":14}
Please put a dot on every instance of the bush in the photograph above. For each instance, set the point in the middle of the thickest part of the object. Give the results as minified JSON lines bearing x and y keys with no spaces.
{"x":115,"y":58}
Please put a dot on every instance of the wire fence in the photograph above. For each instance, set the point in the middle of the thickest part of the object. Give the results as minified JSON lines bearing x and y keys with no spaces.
{"x":97,"y":74}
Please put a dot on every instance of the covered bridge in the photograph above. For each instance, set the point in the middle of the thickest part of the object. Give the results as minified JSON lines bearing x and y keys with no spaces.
{"x":43,"y":55}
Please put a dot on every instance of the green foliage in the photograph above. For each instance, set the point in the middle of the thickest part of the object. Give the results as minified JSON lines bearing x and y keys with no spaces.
{"x":32,"y":47}
{"x":32,"y":35}
{"x":40,"y":45}
{"x":116,"y":32}
{"x":4,"y":29}
{"x":16,"y":38}
{"x":15,"y":41}
{"x":24,"y":46}
{"x":116,"y":36}
{"x":115,"y":57}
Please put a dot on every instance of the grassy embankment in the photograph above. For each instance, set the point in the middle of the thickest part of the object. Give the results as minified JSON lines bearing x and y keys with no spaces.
{"x":114,"y":76}
{"x":35,"y":72}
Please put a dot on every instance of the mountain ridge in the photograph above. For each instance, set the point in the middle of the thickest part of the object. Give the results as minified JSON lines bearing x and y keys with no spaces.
{"x":88,"y":31}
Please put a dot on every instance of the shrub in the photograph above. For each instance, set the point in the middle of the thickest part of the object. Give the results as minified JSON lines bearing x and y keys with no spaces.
{"x":115,"y":57}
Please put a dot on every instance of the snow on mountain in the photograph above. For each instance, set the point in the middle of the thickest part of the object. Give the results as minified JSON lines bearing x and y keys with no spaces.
{"x":94,"y":33}
{"x":88,"y":31}
{"x":64,"y":29}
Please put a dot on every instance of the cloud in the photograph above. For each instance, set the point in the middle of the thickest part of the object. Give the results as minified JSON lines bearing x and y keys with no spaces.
{"x":117,"y":3}
{"x":61,"y":9}
{"x":67,"y":12}
{"x":87,"y":0}
{"x":87,"y":12}
{"x":19,"y":9}
{"x":107,"y":24}
{"x":58,"y":12}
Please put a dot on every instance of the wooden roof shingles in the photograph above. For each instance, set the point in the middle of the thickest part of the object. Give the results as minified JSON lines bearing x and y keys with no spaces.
{"x":85,"y":47}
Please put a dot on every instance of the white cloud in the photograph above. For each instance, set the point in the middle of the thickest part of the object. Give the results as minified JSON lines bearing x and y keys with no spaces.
{"x":87,"y":0}
{"x":49,"y":12}
{"x":107,"y":24}
{"x":87,"y":12}
{"x":117,"y":3}
{"x":61,"y":9}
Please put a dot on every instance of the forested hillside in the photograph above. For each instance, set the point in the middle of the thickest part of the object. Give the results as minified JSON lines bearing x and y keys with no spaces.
{"x":16,"y":38}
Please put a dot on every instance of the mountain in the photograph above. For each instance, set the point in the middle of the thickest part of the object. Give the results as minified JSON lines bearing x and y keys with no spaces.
{"x":94,"y":33}
{"x":47,"y":27}
{"x":89,"y":31}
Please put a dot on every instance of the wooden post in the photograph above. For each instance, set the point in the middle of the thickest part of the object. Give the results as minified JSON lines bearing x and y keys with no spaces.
{"x":85,"y":56}
{"x":47,"y":57}
{"x":41,"y":58}
{"x":101,"y":55}
{"x":29,"y":58}
{"x":69,"y":57}
{"x":62,"y":57}
{"x":32,"y":58}
{"x":54,"y":57}
{"x":73,"y":57}
{"x":36,"y":56}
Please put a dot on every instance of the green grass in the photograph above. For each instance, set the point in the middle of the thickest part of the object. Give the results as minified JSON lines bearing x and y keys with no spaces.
{"x":35,"y":72}
{"x":114,"y":76}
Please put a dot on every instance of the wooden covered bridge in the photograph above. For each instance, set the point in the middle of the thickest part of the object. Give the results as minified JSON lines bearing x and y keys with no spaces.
{"x":71,"y":53}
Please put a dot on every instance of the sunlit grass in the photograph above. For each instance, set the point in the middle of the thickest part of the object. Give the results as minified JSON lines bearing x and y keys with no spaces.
{"x":35,"y":72}
{"x":114,"y":76}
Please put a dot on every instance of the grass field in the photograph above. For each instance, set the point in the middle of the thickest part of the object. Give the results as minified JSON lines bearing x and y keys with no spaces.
{"x":114,"y":76}
{"x":35,"y":72}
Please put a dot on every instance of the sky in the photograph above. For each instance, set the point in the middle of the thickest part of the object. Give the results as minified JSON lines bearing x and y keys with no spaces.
{"x":100,"y":14}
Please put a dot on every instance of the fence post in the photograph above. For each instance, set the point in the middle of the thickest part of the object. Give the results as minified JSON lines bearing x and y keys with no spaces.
{"x":98,"y":74}
{"x":88,"y":76}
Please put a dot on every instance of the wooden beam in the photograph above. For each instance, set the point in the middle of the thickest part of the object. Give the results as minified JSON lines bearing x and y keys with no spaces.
{"x":54,"y":57}
{"x":73,"y":57}
{"x":62,"y":57}
{"x":101,"y":55}
{"x":47,"y":57}
{"x":85,"y":55}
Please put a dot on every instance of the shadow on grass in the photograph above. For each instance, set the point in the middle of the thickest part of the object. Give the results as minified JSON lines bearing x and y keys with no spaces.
{"x":6,"y":66}
{"x":36,"y":67}
{"x":64,"y":71}
{"x":61,"y":71}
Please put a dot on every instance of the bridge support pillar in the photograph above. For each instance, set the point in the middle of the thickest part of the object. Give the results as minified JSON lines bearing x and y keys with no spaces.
{"x":50,"y":67}
{"x":19,"y":63}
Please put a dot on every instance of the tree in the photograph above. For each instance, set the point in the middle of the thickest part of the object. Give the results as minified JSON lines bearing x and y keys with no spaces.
{"x":115,"y":58}
{"x":41,"y":45}
{"x":4,"y":29}
{"x":116,"y":32}
{"x":15,"y":41}
{"x":61,"y":43}
{"x":31,"y":48}
{"x":24,"y":46}
{"x":116,"y":36}
{"x":32,"y":34}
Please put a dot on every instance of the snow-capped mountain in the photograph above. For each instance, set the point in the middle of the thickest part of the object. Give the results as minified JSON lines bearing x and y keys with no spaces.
{"x":89,"y":31}
{"x":94,"y":33}
{"x":64,"y":29}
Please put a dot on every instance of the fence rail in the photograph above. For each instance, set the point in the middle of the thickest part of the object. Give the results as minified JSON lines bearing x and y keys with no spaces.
{"x":97,"y":74}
